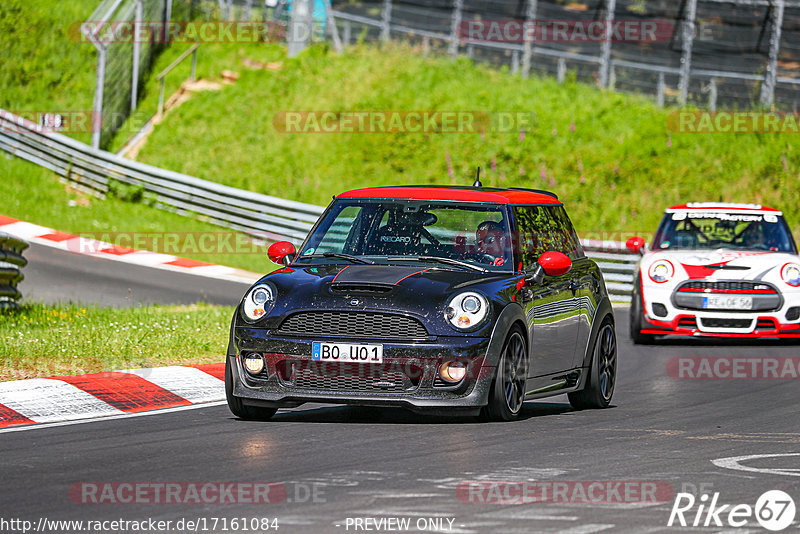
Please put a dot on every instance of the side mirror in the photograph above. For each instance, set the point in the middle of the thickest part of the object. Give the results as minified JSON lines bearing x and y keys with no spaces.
{"x":281,"y":252}
{"x":635,"y":245}
{"x":551,"y":264}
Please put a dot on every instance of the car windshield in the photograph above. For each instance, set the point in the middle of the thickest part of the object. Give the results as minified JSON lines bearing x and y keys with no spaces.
{"x":390,"y":231}
{"x":729,"y":230}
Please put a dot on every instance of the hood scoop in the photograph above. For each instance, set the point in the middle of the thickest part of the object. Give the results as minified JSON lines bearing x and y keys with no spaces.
{"x":372,"y":278}
{"x":361,"y":289}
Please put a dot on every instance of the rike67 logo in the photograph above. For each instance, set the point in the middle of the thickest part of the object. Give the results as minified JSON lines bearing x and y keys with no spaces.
{"x":774,"y":510}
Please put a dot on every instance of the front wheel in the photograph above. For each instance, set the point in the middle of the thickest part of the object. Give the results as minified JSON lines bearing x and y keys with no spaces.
{"x":635,"y":322}
{"x":508,"y":388}
{"x":235,"y":404}
{"x":602,"y":373}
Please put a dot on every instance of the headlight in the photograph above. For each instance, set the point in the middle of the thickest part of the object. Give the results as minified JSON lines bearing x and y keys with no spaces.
{"x":791,"y":274}
{"x":258,"y":302}
{"x":467,"y":310}
{"x":661,"y":271}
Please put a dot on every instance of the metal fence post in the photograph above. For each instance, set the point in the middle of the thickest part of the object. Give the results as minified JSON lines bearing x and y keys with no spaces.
{"x":455,"y":27}
{"x":194,"y":65}
{"x":298,"y":41}
{"x":167,"y":20}
{"x":248,"y":6}
{"x":712,"y":95}
{"x":768,"y":85}
{"x":137,"y":48}
{"x":347,"y":32}
{"x":531,"y":6}
{"x":330,"y":23}
{"x":605,"y":49}
{"x":687,"y":39}
{"x":515,"y":62}
{"x":561,"y":73}
{"x":660,"y":90}
{"x":97,"y":108}
{"x":386,"y":19}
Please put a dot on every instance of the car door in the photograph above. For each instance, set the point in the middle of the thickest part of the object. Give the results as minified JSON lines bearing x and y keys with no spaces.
{"x":551,"y":312}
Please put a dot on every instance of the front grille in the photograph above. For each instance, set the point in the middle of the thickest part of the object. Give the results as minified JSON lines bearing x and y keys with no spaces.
{"x":348,"y":377}
{"x":755,"y":287}
{"x":352,"y":324}
{"x":716,"y":322}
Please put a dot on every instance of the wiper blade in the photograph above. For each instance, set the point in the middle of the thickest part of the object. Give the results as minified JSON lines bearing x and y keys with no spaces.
{"x":338,"y":255}
{"x":448,"y":261}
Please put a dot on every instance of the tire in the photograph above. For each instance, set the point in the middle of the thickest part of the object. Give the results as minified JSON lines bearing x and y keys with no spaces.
{"x":602,"y":371}
{"x":507,"y":393}
{"x":235,"y":404}
{"x":635,"y":321}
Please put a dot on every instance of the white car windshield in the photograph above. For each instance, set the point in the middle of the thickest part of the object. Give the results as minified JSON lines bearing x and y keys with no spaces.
{"x":688,"y":230}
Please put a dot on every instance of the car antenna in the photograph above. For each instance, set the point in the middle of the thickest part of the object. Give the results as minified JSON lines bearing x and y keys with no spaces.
{"x":478,"y":179}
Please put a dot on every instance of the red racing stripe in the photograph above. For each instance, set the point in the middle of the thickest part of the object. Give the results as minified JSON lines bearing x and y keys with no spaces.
{"x":57,"y":237}
{"x":185,"y":262}
{"x":6,"y":220}
{"x":125,"y":391}
{"x":9,"y":417}
{"x":217,"y":370}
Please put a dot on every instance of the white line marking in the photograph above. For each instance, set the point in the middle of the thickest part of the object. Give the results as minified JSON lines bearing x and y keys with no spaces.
{"x":192,"y":384}
{"x":111,"y":417}
{"x":45,"y":400}
{"x":734,"y":462}
{"x":586,"y":529}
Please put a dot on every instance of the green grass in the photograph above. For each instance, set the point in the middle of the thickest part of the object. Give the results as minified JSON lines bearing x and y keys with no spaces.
{"x":42,"y":340}
{"x":609,"y":156}
{"x":32,"y":193}
{"x":43,"y":68}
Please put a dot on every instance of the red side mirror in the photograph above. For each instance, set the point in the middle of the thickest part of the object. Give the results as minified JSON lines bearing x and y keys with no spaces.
{"x":635,"y":244}
{"x":555,"y":263}
{"x":281,"y":252}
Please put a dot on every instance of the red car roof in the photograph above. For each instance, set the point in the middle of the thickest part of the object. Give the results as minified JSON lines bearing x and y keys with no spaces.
{"x":718,"y":206}
{"x":466,"y":194}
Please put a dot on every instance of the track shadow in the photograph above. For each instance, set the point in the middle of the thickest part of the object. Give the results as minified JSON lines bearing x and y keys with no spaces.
{"x":401,"y":416}
{"x":677,"y":341}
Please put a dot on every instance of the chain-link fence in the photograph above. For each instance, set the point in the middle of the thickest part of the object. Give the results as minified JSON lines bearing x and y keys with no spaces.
{"x":733,"y":54}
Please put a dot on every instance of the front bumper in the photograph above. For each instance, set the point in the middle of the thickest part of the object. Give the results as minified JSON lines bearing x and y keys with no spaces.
{"x":407,"y":378}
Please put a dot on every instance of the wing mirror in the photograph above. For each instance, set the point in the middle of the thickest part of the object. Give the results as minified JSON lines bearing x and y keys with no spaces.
{"x":281,"y":252}
{"x":551,"y":263}
{"x":635,"y":245}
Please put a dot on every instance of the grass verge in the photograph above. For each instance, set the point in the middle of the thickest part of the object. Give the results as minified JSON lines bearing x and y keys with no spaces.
{"x":38,"y":341}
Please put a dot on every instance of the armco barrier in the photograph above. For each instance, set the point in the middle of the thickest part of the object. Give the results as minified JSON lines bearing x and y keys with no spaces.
{"x":11,"y":264}
{"x":258,"y":215}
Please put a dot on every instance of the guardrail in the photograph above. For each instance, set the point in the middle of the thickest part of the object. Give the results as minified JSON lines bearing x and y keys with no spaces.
{"x":258,"y":215}
{"x":11,"y":264}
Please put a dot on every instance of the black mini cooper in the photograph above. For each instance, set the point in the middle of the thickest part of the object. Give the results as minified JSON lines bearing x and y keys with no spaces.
{"x":448,"y":300}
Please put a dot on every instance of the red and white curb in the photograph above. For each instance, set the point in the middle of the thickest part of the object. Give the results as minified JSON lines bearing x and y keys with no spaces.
{"x":71,"y":398}
{"x":42,"y":235}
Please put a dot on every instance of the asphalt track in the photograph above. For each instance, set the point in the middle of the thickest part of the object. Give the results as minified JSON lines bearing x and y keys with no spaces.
{"x":337,"y":463}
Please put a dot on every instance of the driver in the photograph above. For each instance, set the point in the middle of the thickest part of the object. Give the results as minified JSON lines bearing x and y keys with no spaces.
{"x":492,"y":239}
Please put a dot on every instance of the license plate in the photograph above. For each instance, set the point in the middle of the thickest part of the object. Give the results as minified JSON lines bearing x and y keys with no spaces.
{"x":346,"y":352}
{"x":724,"y":302}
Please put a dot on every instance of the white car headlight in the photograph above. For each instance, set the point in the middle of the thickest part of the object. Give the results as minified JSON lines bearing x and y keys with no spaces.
{"x":791,"y":274}
{"x":258,"y":302}
{"x":467,"y":310}
{"x":661,"y":271}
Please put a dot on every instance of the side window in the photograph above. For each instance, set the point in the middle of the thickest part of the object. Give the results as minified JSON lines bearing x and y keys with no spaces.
{"x":346,"y":224}
{"x":542,"y":229}
{"x":569,"y":243}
